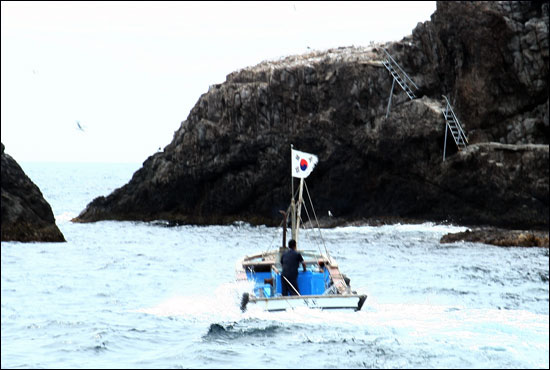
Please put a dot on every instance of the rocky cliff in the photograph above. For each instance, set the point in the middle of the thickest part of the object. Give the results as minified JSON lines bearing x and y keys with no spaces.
{"x":230,"y":159}
{"x":26,"y":216}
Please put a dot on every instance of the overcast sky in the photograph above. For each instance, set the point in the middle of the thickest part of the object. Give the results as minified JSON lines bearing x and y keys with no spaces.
{"x":129,"y":73}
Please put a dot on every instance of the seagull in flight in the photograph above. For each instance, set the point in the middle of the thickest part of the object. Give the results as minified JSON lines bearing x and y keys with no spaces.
{"x":330,"y":214}
{"x":79,"y":126}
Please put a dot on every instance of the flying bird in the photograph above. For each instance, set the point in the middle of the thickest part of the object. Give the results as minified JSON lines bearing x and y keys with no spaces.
{"x":79,"y":126}
{"x":329,"y":213}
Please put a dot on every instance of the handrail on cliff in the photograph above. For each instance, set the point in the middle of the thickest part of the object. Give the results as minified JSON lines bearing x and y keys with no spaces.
{"x":400,"y":76}
{"x":401,"y":69}
{"x":453,"y":125}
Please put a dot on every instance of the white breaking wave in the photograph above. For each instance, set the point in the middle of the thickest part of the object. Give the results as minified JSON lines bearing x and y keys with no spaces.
{"x":65,"y":217}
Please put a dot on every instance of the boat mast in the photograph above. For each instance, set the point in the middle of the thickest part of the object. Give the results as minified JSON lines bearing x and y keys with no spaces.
{"x":299,"y":209}
{"x":292,"y":203}
{"x":295,"y":207}
{"x":293,"y":218}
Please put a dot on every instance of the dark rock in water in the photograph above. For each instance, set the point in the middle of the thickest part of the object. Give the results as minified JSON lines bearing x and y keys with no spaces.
{"x":509,"y":187}
{"x":26,"y":216}
{"x":230,"y":160}
{"x":500,"y":237}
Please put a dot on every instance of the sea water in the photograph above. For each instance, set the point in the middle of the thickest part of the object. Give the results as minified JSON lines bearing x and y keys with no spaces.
{"x":145,"y":295}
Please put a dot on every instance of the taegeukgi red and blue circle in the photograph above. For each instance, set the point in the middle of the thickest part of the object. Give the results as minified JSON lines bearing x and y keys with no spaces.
{"x":303,"y":164}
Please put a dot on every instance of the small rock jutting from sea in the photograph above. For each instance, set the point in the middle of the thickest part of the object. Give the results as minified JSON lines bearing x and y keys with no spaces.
{"x":26,"y":215}
{"x":500,"y":237}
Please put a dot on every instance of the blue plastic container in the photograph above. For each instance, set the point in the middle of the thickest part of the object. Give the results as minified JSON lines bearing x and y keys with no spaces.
{"x":317,"y":283}
{"x":304,"y":282}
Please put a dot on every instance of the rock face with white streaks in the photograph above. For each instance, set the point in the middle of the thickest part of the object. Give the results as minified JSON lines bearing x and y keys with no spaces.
{"x":230,"y":159}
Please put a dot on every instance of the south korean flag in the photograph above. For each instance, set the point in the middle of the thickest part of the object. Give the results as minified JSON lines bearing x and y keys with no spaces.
{"x":302,"y":163}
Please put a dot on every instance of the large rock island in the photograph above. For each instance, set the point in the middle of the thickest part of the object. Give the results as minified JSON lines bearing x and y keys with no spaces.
{"x":26,"y":216}
{"x":230,"y":159}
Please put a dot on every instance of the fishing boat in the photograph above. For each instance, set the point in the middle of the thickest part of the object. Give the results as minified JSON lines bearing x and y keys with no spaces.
{"x":320,"y":286}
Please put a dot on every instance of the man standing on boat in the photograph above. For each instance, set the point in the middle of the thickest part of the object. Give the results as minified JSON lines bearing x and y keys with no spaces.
{"x":291,"y":261}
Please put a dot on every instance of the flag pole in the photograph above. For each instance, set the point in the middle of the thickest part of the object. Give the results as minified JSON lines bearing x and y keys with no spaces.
{"x":299,"y":208}
{"x":291,"y":176}
{"x":292,"y":203}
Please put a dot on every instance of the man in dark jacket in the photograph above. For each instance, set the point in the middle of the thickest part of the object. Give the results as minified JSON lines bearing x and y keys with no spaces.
{"x":291,"y":261}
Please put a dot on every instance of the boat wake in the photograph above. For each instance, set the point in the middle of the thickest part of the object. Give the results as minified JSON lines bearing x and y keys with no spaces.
{"x":223,"y":304}
{"x":378,"y":326}
{"x":222,"y":308}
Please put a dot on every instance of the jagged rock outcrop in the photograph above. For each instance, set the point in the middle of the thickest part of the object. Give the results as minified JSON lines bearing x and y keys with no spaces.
{"x":491,"y":58}
{"x":26,"y":216}
{"x":500,"y":237}
{"x":230,"y":159}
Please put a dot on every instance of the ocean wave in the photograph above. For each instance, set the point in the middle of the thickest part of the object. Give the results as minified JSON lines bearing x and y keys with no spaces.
{"x":65,"y":217}
{"x":218,"y":331}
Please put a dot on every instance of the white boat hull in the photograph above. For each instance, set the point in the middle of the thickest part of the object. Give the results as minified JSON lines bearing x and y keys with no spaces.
{"x":325,"y":302}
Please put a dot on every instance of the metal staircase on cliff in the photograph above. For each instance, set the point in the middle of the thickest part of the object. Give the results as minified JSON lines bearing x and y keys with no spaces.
{"x":400,"y":76}
{"x":453,"y":125}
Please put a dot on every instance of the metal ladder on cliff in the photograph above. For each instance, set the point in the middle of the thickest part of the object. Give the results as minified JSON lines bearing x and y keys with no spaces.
{"x":453,"y":125}
{"x":400,"y":76}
